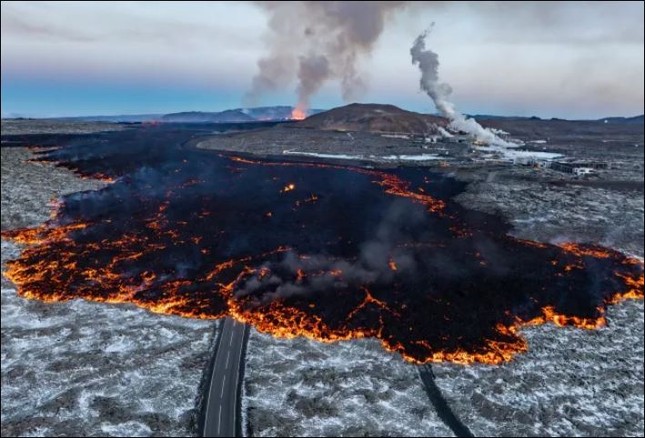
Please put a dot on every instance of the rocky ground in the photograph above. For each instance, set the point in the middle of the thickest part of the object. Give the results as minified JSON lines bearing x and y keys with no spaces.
{"x":88,"y":369}
{"x":549,"y":211}
{"x":572,"y":382}
{"x":354,"y":388}
{"x":274,"y":141}
{"x":55,"y":126}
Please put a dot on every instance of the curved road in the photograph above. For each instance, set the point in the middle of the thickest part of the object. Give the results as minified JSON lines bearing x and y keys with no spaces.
{"x":221,"y":407}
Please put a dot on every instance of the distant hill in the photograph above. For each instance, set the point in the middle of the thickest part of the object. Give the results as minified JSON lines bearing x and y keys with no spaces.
{"x":495,"y":117}
{"x":281,"y":112}
{"x":636,"y":120}
{"x":236,"y":115}
{"x":125,"y":118}
{"x":260,"y":114}
{"x":228,"y":116}
{"x":353,"y":117}
{"x":374,"y":118}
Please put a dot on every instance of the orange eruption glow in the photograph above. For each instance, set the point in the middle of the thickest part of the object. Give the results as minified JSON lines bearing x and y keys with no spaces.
{"x":581,"y":250}
{"x":385,"y":259}
{"x":299,"y":113}
{"x":550,"y":315}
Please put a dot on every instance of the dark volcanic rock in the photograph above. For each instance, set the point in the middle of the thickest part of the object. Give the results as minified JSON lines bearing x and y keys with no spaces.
{"x":374,"y":118}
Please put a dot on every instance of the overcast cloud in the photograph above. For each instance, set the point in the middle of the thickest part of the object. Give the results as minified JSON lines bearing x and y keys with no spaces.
{"x":572,"y":60}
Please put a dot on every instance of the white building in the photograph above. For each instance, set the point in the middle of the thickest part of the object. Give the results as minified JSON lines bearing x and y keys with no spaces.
{"x":582,"y":171}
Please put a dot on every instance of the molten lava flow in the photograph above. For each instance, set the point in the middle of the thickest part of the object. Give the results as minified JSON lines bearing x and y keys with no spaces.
{"x":351,"y":253}
{"x":550,"y":315}
{"x":299,"y":113}
{"x":41,"y":234}
{"x":634,"y":290}
{"x":393,"y":185}
{"x":585,"y":250}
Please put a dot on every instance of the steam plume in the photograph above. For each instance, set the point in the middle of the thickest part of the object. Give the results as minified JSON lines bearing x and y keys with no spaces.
{"x":439,"y":92}
{"x":319,"y":41}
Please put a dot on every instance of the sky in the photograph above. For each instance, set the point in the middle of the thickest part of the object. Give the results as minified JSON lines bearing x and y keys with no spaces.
{"x":561,"y":59}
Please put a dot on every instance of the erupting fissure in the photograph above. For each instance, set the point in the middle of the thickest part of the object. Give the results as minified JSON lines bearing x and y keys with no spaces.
{"x":298,"y":113}
{"x":309,"y":249}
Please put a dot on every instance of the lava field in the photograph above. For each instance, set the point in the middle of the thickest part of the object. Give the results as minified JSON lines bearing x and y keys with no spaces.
{"x":310,"y":249}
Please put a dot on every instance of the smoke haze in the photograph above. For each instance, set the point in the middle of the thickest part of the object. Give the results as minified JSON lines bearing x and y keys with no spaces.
{"x":403,"y":221}
{"x":318,"y":41}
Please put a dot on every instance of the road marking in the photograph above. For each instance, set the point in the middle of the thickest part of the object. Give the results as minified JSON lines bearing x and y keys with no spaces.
{"x":237,"y":376}
{"x":219,"y":420}
{"x":230,"y":328}
{"x":210,"y":390}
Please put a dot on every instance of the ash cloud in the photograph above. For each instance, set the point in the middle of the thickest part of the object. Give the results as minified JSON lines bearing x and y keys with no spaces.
{"x":439,"y":92}
{"x":319,"y":41}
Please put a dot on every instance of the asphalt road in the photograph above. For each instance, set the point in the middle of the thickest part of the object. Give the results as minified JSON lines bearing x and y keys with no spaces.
{"x":440,"y":404}
{"x":220,"y":417}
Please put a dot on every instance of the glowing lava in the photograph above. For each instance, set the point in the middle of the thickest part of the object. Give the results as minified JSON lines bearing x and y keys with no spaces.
{"x":299,"y":113}
{"x":351,"y":253}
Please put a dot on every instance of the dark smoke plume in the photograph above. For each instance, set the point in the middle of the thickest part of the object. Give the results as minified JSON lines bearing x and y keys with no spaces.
{"x":319,"y":41}
{"x":372,"y":266}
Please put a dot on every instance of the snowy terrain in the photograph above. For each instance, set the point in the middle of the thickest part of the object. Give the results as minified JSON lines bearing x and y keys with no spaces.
{"x":420,"y":157}
{"x":571,"y":382}
{"x":304,"y":388}
{"x":415,"y":157}
{"x":514,"y":154}
{"x":558,"y":213}
{"x":317,"y":155}
{"x":79,"y":368}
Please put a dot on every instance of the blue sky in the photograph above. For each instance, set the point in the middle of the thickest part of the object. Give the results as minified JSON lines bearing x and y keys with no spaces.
{"x":575,"y":60}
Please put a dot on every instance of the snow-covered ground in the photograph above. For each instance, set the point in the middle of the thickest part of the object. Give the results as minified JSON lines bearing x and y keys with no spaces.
{"x":420,"y":157}
{"x":514,"y":154}
{"x":558,"y":213}
{"x":317,"y":155}
{"x":416,"y":157}
{"x":571,"y":382}
{"x":304,"y":388}
{"x":79,"y":368}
